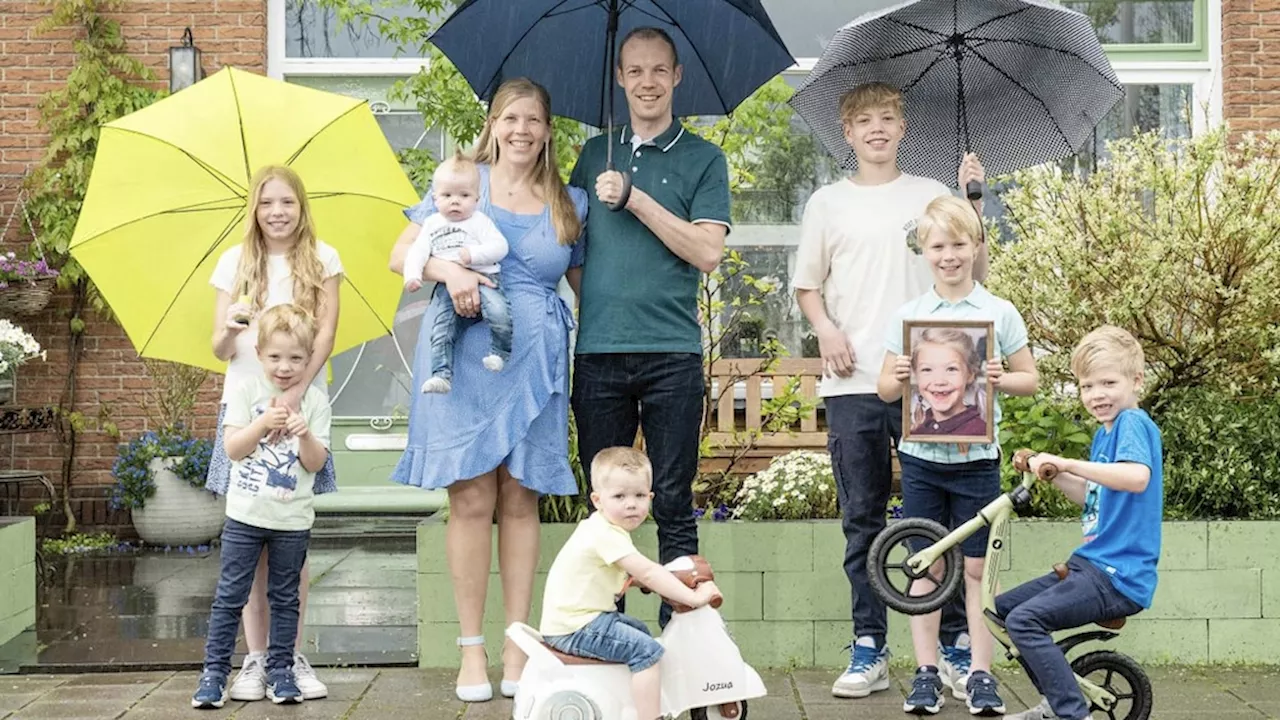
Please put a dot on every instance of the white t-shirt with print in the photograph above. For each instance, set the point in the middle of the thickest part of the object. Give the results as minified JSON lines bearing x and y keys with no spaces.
{"x":269,"y":488}
{"x":245,"y":364}
{"x":853,"y":247}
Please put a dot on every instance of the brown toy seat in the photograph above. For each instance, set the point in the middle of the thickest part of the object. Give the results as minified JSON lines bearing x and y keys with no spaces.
{"x":1061,"y":570}
{"x":568,"y":659}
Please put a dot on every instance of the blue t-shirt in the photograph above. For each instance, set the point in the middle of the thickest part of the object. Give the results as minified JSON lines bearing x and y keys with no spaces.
{"x":1122,"y":529}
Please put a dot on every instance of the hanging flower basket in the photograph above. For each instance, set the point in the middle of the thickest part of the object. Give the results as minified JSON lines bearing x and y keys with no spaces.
{"x":26,"y":298}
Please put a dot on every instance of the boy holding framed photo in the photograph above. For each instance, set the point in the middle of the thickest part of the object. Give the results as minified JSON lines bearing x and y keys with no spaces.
{"x":948,"y":477}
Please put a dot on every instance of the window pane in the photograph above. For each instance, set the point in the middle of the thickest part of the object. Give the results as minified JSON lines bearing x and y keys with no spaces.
{"x":312,"y":31}
{"x":1166,"y":108}
{"x":778,"y":317}
{"x":808,"y":28}
{"x":1140,"y":21}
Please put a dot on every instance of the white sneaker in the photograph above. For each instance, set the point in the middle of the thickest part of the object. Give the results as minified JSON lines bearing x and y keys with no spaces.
{"x":953,"y":666}
{"x":1040,"y":712}
{"x":868,"y":671}
{"x":251,"y":683}
{"x":305,"y":676}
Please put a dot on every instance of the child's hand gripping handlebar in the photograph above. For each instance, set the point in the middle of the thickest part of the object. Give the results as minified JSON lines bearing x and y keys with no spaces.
{"x":692,"y":577}
{"x":1022,"y":461}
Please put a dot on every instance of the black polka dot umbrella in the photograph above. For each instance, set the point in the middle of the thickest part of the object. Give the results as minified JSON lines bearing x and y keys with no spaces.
{"x":1018,"y":82}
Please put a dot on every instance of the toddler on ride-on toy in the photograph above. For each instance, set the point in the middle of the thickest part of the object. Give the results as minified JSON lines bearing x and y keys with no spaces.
{"x":1113,"y":574}
{"x":580,"y":622}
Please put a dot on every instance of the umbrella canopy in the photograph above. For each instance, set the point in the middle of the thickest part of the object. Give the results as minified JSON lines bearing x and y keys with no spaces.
{"x":1018,"y":82}
{"x":168,"y":192}
{"x":728,"y":49}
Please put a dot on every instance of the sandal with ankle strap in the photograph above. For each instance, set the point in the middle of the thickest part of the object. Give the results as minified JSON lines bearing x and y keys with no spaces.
{"x":482,"y":692}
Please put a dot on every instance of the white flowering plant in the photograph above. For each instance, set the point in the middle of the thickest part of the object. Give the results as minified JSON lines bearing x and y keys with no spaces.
{"x":16,"y":347}
{"x":795,"y":486}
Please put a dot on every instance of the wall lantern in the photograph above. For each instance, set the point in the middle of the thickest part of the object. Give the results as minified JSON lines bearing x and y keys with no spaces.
{"x":184,"y":64}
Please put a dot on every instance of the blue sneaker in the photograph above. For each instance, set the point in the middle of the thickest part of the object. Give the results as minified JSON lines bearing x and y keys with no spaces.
{"x":868,"y":670}
{"x":212,"y":692}
{"x":953,"y":666}
{"x":282,"y":689}
{"x":983,"y":698}
{"x":926,"y":696}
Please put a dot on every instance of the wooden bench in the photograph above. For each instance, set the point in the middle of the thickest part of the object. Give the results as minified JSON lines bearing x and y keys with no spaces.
{"x":740,"y":409}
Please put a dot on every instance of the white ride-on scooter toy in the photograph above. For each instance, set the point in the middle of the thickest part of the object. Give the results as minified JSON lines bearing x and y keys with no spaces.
{"x":702,"y":669}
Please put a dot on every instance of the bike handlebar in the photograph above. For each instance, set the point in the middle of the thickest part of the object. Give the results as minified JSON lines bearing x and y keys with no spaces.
{"x":1022,"y":462}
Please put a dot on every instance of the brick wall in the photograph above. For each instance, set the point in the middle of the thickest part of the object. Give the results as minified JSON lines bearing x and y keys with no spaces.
{"x":1251,"y":64}
{"x":112,"y":379}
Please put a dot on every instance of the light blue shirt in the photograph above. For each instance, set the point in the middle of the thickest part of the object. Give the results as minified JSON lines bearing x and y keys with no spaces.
{"x":980,"y":305}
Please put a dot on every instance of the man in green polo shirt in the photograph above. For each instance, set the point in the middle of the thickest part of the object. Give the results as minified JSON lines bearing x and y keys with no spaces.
{"x":639,"y":345}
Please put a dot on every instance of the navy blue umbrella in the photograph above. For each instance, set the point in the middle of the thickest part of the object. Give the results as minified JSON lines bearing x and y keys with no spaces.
{"x":727,"y":48}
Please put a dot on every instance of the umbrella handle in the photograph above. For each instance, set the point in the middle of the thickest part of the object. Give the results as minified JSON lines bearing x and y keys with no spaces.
{"x":973,"y":189}
{"x":625,"y":195}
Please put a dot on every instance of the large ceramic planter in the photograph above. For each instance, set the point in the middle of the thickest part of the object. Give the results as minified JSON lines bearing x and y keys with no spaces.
{"x":178,"y":514}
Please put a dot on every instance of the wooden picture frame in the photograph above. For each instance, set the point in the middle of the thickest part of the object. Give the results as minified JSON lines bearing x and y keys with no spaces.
{"x":956,"y":384}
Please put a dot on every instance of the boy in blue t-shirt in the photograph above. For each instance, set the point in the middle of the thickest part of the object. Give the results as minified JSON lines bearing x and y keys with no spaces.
{"x":1121,"y":488}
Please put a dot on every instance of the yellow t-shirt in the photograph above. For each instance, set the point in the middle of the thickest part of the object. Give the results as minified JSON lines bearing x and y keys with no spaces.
{"x":584,"y":581}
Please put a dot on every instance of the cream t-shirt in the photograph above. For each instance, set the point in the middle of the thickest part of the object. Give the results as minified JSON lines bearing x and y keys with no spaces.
{"x":245,"y":364}
{"x":583,"y":580}
{"x":853,"y":247}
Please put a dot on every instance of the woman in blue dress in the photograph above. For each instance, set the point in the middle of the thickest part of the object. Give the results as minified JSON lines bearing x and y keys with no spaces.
{"x":497,"y":441}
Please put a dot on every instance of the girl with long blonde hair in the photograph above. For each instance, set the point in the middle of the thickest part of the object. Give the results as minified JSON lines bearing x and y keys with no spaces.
{"x":498,"y":441}
{"x":279,"y":261}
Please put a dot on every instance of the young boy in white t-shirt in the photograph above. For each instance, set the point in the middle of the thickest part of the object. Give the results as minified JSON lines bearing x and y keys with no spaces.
{"x":579,"y":612}
{"x":460,"y":233}
{"x":854,"y":267}
{"x":269,"y":502}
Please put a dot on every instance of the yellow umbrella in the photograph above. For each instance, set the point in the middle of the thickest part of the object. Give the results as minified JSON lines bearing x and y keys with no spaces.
{"x":167,"y":197}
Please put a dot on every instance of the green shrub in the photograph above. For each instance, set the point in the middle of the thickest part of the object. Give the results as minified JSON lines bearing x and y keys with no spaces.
{"x":1044,"y":423}
{"x":1221,"y":455}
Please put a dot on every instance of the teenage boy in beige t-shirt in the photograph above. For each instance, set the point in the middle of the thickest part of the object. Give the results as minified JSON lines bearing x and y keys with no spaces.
{"x":855,"y":266}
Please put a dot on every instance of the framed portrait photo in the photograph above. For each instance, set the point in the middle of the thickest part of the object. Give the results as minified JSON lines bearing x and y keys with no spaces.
{"x":948,"y":398}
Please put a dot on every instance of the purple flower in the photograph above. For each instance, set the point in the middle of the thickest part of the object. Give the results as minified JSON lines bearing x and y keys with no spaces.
{"x":721,"y":513}
{"x":699,"y":512}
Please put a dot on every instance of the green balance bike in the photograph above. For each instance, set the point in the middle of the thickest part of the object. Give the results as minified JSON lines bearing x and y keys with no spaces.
{"x":918,"y":549}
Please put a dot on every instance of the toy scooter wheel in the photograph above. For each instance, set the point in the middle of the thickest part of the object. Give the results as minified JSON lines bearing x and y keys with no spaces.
{"x":569,"y":705}
{"x":1122,"y":677}
{"x":715,"y":714}
{"x":893,"y":579}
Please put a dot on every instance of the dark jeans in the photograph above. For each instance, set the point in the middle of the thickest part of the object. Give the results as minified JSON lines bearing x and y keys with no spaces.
{"x":447,"y":325}
{"x":950,"y":494}
{"x":241,"y":547}
{"x":861,"y":429}
{"x":1035,"y":609}
{"x":662,"y":394}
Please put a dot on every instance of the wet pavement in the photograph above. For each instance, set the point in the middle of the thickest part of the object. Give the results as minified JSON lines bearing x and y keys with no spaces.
{"x":149,"y":610}
{"x":402,"y":693}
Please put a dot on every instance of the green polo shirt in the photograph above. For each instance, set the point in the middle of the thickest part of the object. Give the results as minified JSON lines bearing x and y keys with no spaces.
{"x":638,"y":296}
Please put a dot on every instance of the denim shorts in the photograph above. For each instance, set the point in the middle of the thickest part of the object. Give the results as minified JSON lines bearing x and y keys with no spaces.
{"x":950,"y":493}
{"x":611,"y":637}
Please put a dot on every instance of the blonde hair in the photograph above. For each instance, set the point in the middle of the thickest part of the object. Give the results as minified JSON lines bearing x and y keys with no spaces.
{"x":953,"y":339}
{"x":291,"y":320}
{"x":460,"y":165}
{"x":1108,"y":347}
{"x":304,"y":262}
{"x":564,"y":218}
{"x":870,"y":96}
{"x":953,"y":215}
{"x":610,"y":462}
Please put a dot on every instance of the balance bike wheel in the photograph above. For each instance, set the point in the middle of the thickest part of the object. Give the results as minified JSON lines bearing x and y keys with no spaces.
{"x":892,"y":579}
{"x":713,"y":713}
{"x":1120,"y":676}
{"x":569,"y":705}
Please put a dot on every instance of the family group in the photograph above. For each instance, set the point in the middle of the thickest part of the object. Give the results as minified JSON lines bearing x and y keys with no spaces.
{"x":496,"y":233}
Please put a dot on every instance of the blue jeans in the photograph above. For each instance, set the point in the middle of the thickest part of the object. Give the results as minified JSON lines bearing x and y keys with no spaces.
{"x":447,"y":325}
{"x":611,"y":637}
{"x":1035,"y":609}
{"x":951,"y":494}
{"x":241,"y":547}
{"x":662,"y":394}
{"x":861,"y":429}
